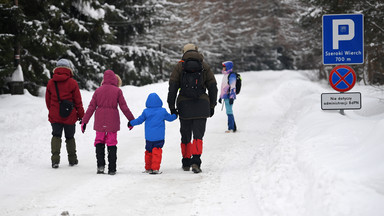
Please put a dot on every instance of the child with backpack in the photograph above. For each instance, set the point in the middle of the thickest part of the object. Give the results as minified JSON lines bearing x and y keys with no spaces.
{"x":154,"y":116}
{"x":228,"y":93}
{"x":107,"y":120}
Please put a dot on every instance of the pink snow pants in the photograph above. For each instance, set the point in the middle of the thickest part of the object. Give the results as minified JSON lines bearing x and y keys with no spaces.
{"x":109,"y":138}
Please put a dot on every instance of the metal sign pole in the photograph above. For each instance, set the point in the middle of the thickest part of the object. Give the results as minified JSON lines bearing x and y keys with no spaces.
{"x":342,"y":111}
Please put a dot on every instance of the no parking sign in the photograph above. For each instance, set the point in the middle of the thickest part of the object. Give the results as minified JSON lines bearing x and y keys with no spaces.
{"x":342,"y":78}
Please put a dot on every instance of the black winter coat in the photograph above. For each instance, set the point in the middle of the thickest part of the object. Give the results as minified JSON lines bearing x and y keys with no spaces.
{"x":191,"y":108}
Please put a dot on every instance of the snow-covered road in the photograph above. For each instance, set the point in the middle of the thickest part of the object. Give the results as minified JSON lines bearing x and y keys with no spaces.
{"x":288,"y":158}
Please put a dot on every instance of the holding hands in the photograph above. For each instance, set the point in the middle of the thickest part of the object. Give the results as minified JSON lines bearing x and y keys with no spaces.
{"x":83,"y":126}
{"x":130,"y":126}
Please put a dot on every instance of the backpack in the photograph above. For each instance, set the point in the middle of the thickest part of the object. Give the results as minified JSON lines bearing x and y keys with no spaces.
{"x":238,"y":82}
{"x":191,"y":81}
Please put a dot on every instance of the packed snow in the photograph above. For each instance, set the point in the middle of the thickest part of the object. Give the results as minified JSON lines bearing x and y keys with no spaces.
{"x":288,"y":157}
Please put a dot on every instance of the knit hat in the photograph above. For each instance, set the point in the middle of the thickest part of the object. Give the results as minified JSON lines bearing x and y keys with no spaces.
{"x":188,"y":47}
{"x":65,"y":63}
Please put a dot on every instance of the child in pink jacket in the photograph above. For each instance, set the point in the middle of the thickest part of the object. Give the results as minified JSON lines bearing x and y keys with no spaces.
{"x":107,"y":120}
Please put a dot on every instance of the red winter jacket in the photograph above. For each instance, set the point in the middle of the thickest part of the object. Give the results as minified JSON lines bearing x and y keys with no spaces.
{"x":105,"y":101}
{"x":68,"y":90}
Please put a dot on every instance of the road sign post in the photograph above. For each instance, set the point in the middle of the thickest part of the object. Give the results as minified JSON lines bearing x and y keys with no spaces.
{"x":343,"y":43}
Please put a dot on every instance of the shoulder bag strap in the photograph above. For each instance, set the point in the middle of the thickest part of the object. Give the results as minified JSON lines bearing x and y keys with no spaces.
{"x":57,"y":92}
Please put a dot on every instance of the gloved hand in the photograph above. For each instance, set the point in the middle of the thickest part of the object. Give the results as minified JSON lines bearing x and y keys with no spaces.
{"x":219,"y":100}
{"x":231,"y":101}
{"x":130,"y":126}
{"x":83,"y":126}
{"x":212,"y":112}
{"x":80,"y":120}
{"x":174,"y":111}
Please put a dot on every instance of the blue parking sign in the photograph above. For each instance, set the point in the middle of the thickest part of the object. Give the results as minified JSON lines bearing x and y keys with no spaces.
{"x":343,"y":39}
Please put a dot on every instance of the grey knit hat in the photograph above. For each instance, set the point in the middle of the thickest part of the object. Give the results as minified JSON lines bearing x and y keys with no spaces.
{"x":65,"y":63}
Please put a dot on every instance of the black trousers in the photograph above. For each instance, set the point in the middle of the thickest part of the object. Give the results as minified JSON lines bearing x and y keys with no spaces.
{"x":69,"y":130}
{"x":192,"y":127}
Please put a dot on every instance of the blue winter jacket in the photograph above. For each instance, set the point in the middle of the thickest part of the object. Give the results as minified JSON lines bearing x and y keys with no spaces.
{"x":154,"y":116}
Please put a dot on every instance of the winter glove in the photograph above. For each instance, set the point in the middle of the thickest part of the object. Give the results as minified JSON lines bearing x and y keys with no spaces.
{"x":83,"y":126}
{"x":219,"y":100}
{"x":174,"y":111}
{"x":130,"y":126}
{"x":80,"y":120}
{"x":212,"y":112}
{"x":231,"y":101}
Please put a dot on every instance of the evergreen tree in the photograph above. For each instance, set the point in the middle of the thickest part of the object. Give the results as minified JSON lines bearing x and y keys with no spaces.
{"x":256,"y":35}
{"x":95,"y":35}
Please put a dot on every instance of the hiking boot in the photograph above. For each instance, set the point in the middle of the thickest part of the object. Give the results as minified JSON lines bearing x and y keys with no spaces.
{"x":147,"y":171}
{"x":112,"y":160}
{"x":196,"y":168}
{"x":73,"y":163}
{"x":155,"y":172}
{"x":55,"y":150}
{"x":71,"y":149}
{"x":111,"y":172}
{"x":100,"y":170}
{"x":186,"y":164}
{"x":55,"y":165}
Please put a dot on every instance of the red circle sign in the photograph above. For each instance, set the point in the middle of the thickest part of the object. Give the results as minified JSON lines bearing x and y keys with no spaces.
{"x":342,"y":78}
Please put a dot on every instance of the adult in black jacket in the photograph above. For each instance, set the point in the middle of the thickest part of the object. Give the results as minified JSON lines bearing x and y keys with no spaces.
{"x":193,"y":112}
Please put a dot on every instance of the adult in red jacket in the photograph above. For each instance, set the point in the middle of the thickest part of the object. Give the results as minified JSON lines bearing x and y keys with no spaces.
{"x":68,"y":90}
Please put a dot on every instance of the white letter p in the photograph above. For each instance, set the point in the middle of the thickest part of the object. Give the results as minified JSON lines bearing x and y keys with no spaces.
{"x":342,"y":37}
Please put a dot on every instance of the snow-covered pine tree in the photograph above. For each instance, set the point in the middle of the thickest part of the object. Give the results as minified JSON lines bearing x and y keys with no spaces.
{"x":78,"y":30}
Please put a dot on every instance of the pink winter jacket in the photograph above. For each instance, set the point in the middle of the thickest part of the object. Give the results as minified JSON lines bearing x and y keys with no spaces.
{"x":105,"y":101}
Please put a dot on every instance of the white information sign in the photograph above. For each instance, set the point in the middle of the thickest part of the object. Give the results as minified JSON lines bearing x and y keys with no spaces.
{"x":341,"y":101}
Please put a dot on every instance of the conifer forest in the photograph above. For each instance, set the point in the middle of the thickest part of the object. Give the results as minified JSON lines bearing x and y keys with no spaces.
{"x":141,"y":40}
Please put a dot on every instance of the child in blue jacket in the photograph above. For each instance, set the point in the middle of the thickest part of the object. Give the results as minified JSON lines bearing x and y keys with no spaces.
{"x":154,"y":116}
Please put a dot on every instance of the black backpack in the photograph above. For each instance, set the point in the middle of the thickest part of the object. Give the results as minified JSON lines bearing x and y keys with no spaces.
{"x":191,"y":80}
{"x":238,"y":81}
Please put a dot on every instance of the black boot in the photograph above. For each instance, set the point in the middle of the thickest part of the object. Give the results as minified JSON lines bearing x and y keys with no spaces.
{"x":196,"y":163}
{"x":186,"y":164}
{"x":112,"y":158}
{"x":100,"y":156}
